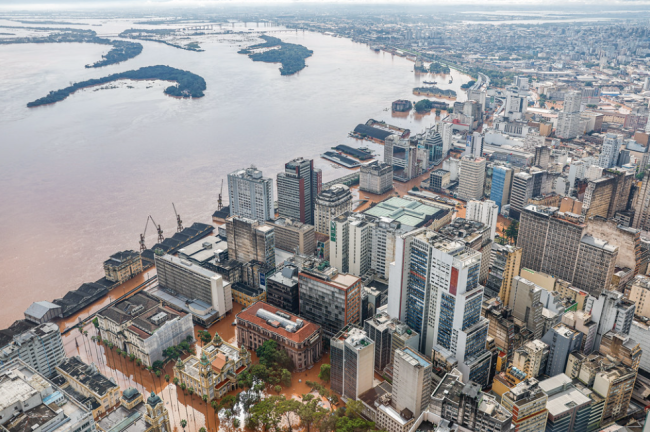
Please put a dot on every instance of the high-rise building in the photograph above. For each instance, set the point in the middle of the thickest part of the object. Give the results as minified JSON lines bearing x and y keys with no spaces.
{"x":330,"y":299}
{"x":376,"y":177}
{"x":460,"y":330}
{"x":249,"y":240}
{"x":378,"y":329}
{"x":433,"y":145}
{"x":352,"y":357}
{"x":466,"y":405}
{"x":568,"y":408}
{"x":32,"y":403}
{"x":531,"y":358}
{"x":524,"y":187}
{"x":582,"y":322}
{"x":251,"y":194}
{"x":526,"y":305}
{"x":447,"y":132}
{"x":474,"y":145}
{"x":542,"y":156}
{"x":622,"y":348}
{"x":283,"y":291}
{"x":331,"y":203}
{"x":292,"y":236}
{"x":642,"y":203}
{"x":639,"y":293}
{"x":471,"y":178}
{"x":556,"y":235}
{"x":41,"y":347}
{"x":412,"y":379}
{"x":610,"y":150}
{"x":612,"y":312}
{"x":596,"y":263}
{"x":527,"y":403}
{"x":350,"y":242}
{"x":501,"y":185}
{"x":298,"y":187}
{"x":568,"y":121}
{"x":562,"y":341}
{"x":516,"y":103}
{"x":197,"y":285}
{"x":505,"y":264}
{"x":485,"y":212}
{"x":475,"y":235}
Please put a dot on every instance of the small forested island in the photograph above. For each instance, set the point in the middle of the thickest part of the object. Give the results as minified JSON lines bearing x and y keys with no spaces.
{"x":468,"y":85}
{"x":121,"y":51}
{"x":189,"y":84}
{"x":151,"y":34}
{"x":426,"y":105}
{"x":291,"y":56}
{"x":437,"y":68}
{"x":434,"y":91}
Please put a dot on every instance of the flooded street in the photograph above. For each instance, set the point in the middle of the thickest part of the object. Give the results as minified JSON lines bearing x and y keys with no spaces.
{"x":80,"y":177}
{"x":180,"y":405}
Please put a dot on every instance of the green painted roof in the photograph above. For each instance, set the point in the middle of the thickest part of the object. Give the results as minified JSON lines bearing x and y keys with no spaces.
{"x":404,"y":211}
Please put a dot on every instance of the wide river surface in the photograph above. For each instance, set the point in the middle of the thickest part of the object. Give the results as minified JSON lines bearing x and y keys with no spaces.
{"x":78,"y":178}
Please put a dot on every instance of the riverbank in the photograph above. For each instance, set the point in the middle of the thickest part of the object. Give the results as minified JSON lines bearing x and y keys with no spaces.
{"x":291,"y":56}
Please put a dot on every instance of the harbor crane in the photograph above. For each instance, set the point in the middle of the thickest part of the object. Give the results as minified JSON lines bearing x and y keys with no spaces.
{"x":220,"y":201}
{"x":161,"y":238}
{"x":143,"y":247}
{"x":179,"y":222}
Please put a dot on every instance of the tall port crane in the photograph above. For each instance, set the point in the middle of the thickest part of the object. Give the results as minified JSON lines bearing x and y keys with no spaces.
{"x":179,"y":222}
{"x":161,"y":238}
{"x":142,"y":245}
{"x":220,"y":201}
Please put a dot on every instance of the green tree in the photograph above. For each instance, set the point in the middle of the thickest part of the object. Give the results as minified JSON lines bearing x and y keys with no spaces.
{"x":357,"y":424}
{"x":203,"y":430}
{"x":183,"y":423}
{"x":512,"y":231}
{"x":324,"y":374}
{"x":353,"y":408}
{"x":310,"y":412}
{"x":96,"y":322}
{"x":205,"y":336}
{"x":286,"y":408}
{"x":285,"y":378}
{"x":263,"y":415}
{"x":235,"y":422}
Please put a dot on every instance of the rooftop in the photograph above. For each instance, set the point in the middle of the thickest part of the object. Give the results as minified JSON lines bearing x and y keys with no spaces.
{"x":302,"y":333}
{"x":247,"y":289}
{"x":565,"y":401}
{"x":119,"y":258}
{"x":87,"y":375}
{"x":187,"y":265}
{"x":598,"y":243}
{"x":407,"y":212}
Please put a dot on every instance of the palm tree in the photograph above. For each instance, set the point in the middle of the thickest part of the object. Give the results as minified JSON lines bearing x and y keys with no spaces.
{"x":183,"y":424}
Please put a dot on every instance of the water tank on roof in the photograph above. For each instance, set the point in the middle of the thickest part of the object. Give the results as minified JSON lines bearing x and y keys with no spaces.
{"x":286,"y":324}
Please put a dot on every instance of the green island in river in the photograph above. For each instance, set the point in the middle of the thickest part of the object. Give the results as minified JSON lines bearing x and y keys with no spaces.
{"x":291,"y":56}
{"x":189,"y":84}
{"x":434,"y":91}
{"x":121,"y":51}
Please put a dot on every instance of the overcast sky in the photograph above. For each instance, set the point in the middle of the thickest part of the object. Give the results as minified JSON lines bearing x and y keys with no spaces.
{"x":557,"y":5}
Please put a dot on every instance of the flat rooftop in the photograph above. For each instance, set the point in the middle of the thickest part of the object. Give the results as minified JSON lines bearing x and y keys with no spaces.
{"x":407,"y":212}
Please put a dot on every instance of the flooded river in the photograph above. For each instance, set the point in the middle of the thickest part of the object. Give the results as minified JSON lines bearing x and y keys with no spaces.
{"x":80,"y":177}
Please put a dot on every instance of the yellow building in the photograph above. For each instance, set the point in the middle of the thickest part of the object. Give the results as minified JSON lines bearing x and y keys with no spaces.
{"x":151,"y":416}
{"x":505,"y":381}
{"x":246,"y":295}
{"x":99,"y":393}
{"x":215,"y":372}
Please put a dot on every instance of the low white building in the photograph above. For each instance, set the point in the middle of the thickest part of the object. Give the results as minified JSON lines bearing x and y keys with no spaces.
{"x":486,"y":212}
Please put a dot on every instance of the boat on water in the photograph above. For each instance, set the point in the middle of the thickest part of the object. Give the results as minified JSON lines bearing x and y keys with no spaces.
{"x":451,"y":81}
{"x":431,"y":82}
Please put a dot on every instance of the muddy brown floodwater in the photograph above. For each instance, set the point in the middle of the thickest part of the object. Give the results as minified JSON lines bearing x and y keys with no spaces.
{"x":127,"y":374}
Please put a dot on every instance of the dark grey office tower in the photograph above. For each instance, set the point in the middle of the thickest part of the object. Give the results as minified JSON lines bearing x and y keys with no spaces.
{"x":378,"y":329}
{"x":283,"y":290}
{"x":298,"y":187}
